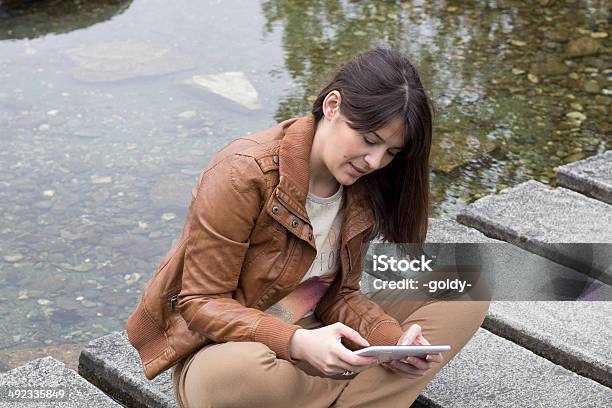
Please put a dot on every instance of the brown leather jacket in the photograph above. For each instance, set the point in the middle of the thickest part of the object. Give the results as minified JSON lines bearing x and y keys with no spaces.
{"x":246,"y":243}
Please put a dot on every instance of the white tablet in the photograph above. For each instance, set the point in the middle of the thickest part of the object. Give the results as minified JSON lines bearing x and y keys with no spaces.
{"x":387,"y":353}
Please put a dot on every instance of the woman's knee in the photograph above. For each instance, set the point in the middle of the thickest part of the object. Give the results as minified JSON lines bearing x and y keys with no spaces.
{"x":466,"y":317}
{"x":476,"y":310}
{"x":226,"y":369}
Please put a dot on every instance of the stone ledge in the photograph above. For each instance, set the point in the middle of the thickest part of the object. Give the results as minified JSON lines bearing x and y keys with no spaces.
{"x":535,"y":217}
{"x":489,"y":372}
{"x":575,"y":335}
{"x":112,"y":364}
{"x":493,"y":372}
{"x":48,"y":372}
{"x":592,"y":176}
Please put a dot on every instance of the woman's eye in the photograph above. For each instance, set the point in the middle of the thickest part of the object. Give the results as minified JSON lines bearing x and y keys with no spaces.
{"x":367,"y":141}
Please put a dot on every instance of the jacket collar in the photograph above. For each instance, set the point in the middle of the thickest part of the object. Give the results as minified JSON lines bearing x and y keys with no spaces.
{"x":294,"y":176}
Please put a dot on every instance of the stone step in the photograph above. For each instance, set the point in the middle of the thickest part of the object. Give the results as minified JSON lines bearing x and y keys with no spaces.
{"x":575,"y":335}
{"x":112,"y":364}
{"x":538,"y":218}
{"x":494,"y":372}
{"x":48,"y":373}
{"x":592,"y":176}
{"x":489,"y":372}
{"x":572,"y":334}
{"x":445,"y":230}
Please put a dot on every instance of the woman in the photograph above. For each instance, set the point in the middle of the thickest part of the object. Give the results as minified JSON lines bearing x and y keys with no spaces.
{"x":258,"y":303}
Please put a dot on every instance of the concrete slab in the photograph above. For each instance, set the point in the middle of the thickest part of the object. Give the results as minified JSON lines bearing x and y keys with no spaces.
{"x":544,"y":220}
{"x":493,"y":372}
{"x":575,"y":335}
{"x":592,"y":176}
{"x":446,"y":230}
{"x":48,"y":373}
{"x":489,"y":372}
{"x":112,"y":364}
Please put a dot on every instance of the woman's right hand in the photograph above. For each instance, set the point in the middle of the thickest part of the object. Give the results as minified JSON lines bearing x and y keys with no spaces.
{"x":322,"y":348}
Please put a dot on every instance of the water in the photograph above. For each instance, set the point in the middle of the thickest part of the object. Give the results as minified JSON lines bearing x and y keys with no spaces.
{"x":98,"y":170}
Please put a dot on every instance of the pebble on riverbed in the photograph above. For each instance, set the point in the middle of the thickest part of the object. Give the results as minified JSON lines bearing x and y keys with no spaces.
{"x":13,"y":258}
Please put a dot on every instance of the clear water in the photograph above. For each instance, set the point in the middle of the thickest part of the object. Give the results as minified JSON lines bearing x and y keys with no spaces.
{"x":96,"y":176}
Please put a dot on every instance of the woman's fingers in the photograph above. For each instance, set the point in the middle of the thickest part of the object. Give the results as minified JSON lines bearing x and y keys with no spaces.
{"x":351,"y":334}
{"x":408,"y":368}
{"x":435,"y":358}
{"x":405,"y":372}
{"x":416,"y":362}
{"x":422,"y":340}
{"x":410,"y":335}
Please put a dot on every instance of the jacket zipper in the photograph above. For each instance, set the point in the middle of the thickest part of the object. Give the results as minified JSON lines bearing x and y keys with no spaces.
{"x":173,"y":301}
{"x":348,"y":250}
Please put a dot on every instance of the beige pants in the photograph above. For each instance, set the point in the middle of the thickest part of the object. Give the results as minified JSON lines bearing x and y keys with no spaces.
{"x":248,"y":374}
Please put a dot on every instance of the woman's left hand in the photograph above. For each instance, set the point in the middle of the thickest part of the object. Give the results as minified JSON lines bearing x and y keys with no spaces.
{"x":413,"y":367}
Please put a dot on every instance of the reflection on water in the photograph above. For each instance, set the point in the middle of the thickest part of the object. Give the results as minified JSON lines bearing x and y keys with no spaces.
{"x":104,"y":129}
{"x":21,"y":19}
{"x":511,"y":103}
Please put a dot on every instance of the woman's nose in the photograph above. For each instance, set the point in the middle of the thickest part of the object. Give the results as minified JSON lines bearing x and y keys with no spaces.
{"x":375,"y":159}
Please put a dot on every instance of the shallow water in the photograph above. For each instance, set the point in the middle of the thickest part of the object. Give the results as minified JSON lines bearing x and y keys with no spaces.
{"x":101,"y":148}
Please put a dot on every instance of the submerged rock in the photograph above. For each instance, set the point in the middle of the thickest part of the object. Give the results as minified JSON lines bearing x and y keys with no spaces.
{"x":119,"y":60}
{"x":455,"y":149}
{"x":582,"y":47}
{"x":233,"y":86}
{"x":549,"y":67}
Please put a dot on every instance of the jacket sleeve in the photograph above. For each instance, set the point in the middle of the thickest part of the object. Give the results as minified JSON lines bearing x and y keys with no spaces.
{"x":352,"y":308}
{"x":227,"y":202}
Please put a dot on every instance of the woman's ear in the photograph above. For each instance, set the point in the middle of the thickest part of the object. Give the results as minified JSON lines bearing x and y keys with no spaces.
{"x":331,"y":104}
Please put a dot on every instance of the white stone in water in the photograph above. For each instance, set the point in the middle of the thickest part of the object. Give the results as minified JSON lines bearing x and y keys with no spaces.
{"x":231,"y":85}
{"x":101,"y":180}
{"x":52,"y":112}
{"x":576,"y":116}
{"x":532,"y":78}
{"x":131,"y":278}
{"x":49,"y":193}
{"x":187,"y":114}
{"x":168,"y":216}
{"x":88,"y":303}
{"x":43,"y":302}
{"x":44,"y":127}
{"x":576,"y":106}
{"x":13,"y":257}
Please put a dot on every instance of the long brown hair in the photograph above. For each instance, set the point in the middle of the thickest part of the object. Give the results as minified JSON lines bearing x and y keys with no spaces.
{"x":377,"y":87}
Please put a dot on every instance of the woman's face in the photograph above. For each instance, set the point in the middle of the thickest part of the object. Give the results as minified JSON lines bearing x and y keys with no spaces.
{"x":348,"y":154}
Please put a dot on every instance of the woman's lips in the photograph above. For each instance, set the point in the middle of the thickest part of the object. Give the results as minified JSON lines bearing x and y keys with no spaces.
{"x":356,"y":171}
